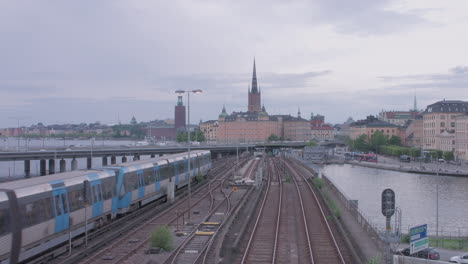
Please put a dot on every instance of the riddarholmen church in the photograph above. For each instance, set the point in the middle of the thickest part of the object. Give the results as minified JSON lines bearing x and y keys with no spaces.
{"x":255,"y":124}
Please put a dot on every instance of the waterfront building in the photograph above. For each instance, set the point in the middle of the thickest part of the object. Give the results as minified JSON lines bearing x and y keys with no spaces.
{"x":255,"y":124}
{"x":210,"y":129}
{"x":319,"y":129}
{"x":324,"y":132}
{"x":461,"y":137}
{"x":447,"y":141}
{"x":370,"y":125}
{"x":413,"y":133}
{"x":399,"y":118}
{"x":295,"y":128}
{"x":440,"y":117}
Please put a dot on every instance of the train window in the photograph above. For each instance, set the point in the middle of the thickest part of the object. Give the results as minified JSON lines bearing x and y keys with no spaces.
{"x":58,"y":210}
{"x":149,"y":176}
{"x":96,"y":193}
{"x":164,"y":172}
{"x":182,"y":165}
{"x":170,"y":171}
{"x":131,"y":181}
{"x":108,"y":187}
{"x":76,"y":201}
{"x":65,"y":203}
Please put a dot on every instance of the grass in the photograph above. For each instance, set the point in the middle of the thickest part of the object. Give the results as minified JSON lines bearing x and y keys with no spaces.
{"x":449,"y":243}
{"x":318,"y":182}
{"x":374,"y":260}
{"x":330,"y":203}
{"x":162,"y":238}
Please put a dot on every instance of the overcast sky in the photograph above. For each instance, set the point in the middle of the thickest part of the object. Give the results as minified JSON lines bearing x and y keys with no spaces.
{"x":105,"y":60}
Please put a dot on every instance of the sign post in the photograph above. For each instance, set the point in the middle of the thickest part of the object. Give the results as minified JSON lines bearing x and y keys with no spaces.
{"x":418,"y":238}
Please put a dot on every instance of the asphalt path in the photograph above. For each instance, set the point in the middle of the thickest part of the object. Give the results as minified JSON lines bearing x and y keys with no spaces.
{"x":445,"y":254}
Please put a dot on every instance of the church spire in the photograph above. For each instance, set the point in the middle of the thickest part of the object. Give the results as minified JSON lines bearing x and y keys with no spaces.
{"x":415,"y":107}
{"x":299,"y":112}
{"x":254,"y":79}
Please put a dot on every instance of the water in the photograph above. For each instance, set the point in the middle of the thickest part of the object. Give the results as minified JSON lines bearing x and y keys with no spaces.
{"x":415,"y":194}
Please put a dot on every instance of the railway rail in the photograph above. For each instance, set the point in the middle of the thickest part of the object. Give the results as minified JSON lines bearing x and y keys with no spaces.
{"x":195,"y":248}
{"x":323,"y":243}
{"x":195,"y":244}
{"x":291,"y":226}
{"x":266,"y":227}
{"x":122,"y":228}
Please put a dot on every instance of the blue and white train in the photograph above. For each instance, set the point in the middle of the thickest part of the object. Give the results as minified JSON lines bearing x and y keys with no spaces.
{"x":50,"y":208}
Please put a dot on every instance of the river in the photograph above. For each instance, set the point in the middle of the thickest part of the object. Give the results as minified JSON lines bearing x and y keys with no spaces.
{"x":415,"y":194}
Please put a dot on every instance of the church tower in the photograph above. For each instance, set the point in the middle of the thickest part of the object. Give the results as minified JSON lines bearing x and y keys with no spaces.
{"x":254,"y":93}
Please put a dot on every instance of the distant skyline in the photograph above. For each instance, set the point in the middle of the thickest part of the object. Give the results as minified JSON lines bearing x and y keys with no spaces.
{"x":86,"y":61}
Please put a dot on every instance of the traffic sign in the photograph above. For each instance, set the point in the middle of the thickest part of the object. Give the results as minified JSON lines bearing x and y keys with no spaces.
{"x":418,"y":238}
{"x":388,"y":202}
{"x":235,"y":189}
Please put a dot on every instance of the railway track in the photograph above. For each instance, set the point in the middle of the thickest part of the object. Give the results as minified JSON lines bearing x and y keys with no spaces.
{"x":128,"y":242}
{"x":323,"y":246}
{"x":190,"y":250}
{"x":262,"y":244}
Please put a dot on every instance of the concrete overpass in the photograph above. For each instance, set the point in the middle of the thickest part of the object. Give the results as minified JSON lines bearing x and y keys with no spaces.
{"x":89,"y":153}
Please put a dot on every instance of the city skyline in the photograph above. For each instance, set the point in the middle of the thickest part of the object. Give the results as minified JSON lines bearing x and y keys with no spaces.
{"x":86,"y":62}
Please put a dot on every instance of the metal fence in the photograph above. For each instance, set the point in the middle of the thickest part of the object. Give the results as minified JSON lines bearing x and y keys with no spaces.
{"x":452,"y":238}
{"x":361,"y":218}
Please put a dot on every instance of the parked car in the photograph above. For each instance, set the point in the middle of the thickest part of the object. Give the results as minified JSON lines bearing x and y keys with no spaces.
{"x":428,"y":253}
{"x":459,"y":259}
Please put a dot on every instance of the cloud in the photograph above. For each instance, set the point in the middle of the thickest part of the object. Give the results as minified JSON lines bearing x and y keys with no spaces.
{"x":26,"y":88}
{"x":367,"y":17}
{"x":455,"y":79}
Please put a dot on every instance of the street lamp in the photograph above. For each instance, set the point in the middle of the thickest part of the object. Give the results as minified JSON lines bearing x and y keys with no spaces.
{"x":188,"y":92}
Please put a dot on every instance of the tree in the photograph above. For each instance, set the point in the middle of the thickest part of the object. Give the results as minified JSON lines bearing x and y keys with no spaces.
{"x":361,"y":143}
{"x":311,"y":143}
{"x":394,"y":140}
{"x":448,"y":155}
{"x":194,"y":136}
{"x":378,"y":139}
{"x":273,"y":137}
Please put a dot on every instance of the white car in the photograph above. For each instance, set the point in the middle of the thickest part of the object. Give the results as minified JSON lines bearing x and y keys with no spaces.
{"x":459,"y":259}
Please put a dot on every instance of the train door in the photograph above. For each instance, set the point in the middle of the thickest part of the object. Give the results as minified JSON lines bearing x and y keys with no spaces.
{"x":141,"y":184}
{"x":61,"y":207}
{"x":97,"y":199}
{"x":157,"y":176}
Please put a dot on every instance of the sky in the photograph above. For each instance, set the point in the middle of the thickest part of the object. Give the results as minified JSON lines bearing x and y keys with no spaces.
{"x":108,"y":60}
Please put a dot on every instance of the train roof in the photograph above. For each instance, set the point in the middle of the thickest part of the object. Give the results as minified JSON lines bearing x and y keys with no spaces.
{"x":46,"y":179}
{"x":43,"y":183}
{"x":139,"y":162}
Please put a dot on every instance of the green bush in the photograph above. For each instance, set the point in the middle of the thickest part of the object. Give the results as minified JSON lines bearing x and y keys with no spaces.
{"x":162,"y":238}
{"x":374,"y":260}
{"x":318,"y":182}
{"x":405,"y":239}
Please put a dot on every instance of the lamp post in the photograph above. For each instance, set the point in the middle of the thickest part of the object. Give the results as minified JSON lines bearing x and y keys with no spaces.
{"x":188,"y":92}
